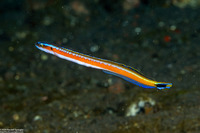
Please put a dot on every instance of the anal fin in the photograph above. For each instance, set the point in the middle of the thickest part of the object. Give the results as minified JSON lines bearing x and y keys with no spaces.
{"x":128,"y":79}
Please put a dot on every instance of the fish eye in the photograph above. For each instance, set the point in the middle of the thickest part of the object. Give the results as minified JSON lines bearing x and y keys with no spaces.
{"x":39,"y":44}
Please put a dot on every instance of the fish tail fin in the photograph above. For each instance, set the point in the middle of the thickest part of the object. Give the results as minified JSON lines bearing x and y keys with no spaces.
{"x":163,"y":85}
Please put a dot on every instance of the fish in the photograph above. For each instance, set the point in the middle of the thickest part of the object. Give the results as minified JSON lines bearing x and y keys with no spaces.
{"x":117,"y":69}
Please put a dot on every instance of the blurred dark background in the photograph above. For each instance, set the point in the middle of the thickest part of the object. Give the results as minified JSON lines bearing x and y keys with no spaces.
{"x":42,"y":93}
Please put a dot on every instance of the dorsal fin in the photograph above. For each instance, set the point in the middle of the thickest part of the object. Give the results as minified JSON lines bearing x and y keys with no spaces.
{"x":129,"y":67}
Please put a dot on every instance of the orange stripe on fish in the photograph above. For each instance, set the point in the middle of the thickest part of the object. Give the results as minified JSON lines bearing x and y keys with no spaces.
{"x":126,"y":72}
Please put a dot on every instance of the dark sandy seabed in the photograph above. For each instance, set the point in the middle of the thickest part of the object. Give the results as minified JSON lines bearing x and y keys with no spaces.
{"x":41,"y":93}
